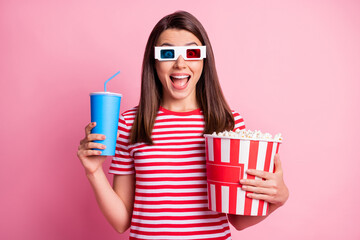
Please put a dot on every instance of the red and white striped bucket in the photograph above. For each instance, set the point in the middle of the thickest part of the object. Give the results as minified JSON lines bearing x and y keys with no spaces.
{"x":227,"y":160}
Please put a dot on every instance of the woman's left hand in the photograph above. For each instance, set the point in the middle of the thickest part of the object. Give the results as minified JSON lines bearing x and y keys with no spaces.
{"x":271,"y":189}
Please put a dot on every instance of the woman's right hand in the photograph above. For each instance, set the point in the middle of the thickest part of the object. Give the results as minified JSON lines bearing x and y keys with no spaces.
{"x":91,"y":159}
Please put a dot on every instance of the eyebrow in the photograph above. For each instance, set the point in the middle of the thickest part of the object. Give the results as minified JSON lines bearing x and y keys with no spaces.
{"x":171,"y":45}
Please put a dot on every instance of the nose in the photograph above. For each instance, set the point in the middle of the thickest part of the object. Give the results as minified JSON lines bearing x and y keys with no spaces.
{"x":180,"y":62}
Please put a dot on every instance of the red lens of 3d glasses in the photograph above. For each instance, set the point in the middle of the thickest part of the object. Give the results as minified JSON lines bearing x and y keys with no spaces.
{"x":193,"y":53}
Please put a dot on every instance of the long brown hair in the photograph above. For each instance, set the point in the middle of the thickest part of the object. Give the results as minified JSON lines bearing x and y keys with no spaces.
{"x":217,"y":114}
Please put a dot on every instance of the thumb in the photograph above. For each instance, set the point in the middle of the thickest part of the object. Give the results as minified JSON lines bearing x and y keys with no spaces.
{"x":277,"y":162}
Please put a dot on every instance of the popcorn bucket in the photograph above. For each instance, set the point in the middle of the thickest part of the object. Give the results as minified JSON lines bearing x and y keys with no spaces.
{"x":227,"y":160}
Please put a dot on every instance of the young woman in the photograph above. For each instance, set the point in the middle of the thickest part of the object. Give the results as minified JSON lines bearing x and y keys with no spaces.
{"x":159,"y":186}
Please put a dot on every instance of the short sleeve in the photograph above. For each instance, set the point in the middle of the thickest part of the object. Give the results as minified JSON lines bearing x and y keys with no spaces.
{"x":239,"y":121}
{"x":122,"y":163}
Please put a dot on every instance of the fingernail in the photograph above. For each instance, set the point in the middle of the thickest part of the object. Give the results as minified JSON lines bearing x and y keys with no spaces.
{"x":103,"y":146}
{"x":242,"y":181}
{"x":103,"y":137}
{"x":244,"y":187}
{"x":99,"y":152}
{"x":249,"y":171}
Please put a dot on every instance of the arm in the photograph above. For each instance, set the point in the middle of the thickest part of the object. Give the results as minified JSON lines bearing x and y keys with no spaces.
{"x":241,"y":222}
{"x":115,"y":203}
{"x":273,"y":190}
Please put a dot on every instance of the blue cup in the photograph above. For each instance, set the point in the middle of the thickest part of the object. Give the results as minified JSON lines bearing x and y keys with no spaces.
{"x":105,"y":109}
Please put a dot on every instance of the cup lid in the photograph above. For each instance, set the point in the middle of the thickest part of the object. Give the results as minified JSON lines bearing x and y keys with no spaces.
{"x":106,"y":93}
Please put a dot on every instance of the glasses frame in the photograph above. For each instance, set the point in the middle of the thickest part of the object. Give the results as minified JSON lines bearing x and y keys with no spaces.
{"x":179,"y":50}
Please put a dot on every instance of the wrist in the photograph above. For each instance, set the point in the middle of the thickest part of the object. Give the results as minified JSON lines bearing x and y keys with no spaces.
{"x":274,"y":206}
{"x":93,"y":174}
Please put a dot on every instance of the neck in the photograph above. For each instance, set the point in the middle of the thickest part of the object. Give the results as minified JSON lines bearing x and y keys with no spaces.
{"x":183,"y":105}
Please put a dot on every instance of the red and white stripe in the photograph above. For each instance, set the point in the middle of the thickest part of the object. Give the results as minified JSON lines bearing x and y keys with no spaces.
{"x":171,"y":188}
{"x":227,"y":161}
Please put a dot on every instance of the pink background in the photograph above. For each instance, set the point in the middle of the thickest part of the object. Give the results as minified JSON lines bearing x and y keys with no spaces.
{"x":286,"y":66}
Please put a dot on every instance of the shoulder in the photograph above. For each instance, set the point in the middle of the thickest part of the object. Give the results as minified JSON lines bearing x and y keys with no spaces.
{"x":236,"y":115}
{"x":130,"y":112}
{"x":239,"y":120}
{"x":128,"y":116}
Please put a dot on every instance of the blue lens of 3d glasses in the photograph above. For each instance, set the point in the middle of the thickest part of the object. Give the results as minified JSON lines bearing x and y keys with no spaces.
{"x":167,"y":54}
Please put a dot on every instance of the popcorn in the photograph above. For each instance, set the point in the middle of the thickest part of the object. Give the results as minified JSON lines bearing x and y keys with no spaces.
{"x":248,"y":134}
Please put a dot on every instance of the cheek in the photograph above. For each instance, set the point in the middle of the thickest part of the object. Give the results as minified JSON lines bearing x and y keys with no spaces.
{"x":162,"y":69}
{"x":197,"y":68}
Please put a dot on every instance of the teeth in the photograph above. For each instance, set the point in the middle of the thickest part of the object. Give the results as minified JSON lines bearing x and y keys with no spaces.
{"x":180,"y":77}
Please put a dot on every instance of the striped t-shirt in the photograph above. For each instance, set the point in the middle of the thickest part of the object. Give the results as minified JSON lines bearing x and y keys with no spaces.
{"x":171,"y":190}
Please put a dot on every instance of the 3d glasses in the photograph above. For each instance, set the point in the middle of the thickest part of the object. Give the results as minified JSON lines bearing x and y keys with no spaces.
{"x":169,"y":53}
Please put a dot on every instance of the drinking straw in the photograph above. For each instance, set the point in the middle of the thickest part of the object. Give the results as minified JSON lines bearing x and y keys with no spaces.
{"x":109,"y":80}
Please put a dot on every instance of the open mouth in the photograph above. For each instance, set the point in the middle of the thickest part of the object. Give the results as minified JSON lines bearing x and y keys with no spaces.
{"x":180,"y":81}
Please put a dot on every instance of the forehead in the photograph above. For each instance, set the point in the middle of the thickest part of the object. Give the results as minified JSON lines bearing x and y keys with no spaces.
{"x":177,"y":37}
